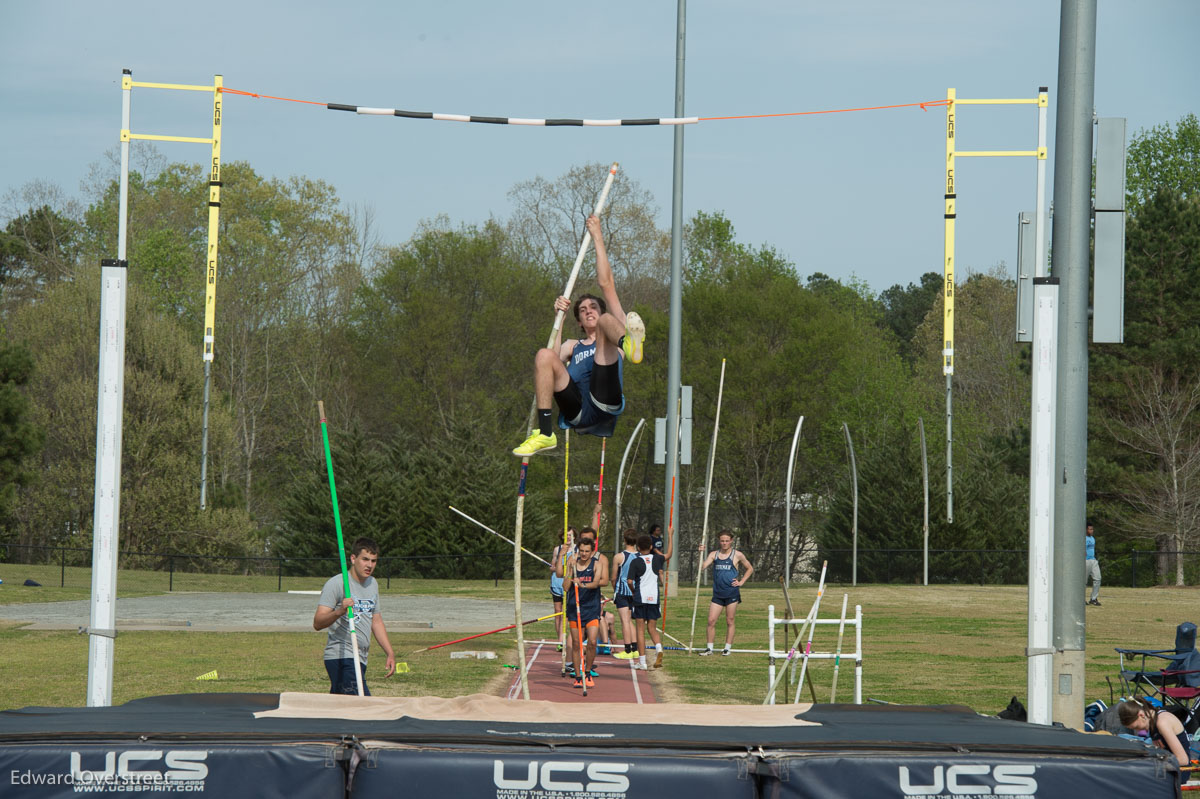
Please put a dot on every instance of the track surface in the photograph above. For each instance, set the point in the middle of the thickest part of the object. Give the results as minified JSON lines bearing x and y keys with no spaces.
{"x":618,"y":681}
{"x":212,"y":611}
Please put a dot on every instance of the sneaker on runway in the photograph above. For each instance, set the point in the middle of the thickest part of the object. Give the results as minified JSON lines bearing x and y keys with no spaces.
{"x":658,"y":661}
{"x":589,"y":682}
{"x":638,"y":666}
{"x":635,"y":335}
{"x":577,"y":684}
{"x":593,"y":673}
{"x":535,"y":444}
{"x":604,"y":649}
{"x":625,"y":655}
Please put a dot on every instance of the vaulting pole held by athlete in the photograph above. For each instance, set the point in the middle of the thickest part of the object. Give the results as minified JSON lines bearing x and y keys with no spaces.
{"x":341,"y":545}
{"x":600,"y":494}
{"x":562,"y":552}
{"x":520,"y":523}
{"x":712,"y":454}
{"x":581,"y":672}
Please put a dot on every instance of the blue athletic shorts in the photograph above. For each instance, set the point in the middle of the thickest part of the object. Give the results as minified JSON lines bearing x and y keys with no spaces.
{"x":727,"y":600}
{"x":341,"y":677}
{"x":647,"y":612}
{"x":622,"y":601}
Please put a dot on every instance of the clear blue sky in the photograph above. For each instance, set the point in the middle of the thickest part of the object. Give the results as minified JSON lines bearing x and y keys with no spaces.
{"x":843,"y":194}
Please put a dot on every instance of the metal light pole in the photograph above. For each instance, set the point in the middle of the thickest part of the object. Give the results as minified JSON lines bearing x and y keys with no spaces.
{"x":675,"y":333}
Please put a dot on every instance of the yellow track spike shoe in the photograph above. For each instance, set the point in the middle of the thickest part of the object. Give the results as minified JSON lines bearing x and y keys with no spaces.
{"x":535,"y":444}
{"x":635,"y":335}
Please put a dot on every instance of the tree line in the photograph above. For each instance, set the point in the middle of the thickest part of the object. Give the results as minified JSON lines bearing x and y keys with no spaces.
{"x":422,"y":354}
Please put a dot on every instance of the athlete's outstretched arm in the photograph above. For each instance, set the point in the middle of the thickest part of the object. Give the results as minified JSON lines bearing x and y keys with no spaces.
{"x":604,"y":273}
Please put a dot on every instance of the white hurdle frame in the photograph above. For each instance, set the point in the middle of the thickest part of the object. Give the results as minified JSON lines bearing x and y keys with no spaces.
{"x":773,"y":654}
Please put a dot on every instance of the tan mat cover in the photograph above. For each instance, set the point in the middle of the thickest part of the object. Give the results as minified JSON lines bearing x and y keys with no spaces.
{"x":481,"y":707}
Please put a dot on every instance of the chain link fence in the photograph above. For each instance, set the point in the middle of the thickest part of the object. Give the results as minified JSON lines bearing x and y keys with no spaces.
{"x":183,"y":571}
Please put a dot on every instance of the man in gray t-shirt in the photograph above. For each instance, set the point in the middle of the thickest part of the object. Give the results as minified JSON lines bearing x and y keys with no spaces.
{"x":331,"y":614}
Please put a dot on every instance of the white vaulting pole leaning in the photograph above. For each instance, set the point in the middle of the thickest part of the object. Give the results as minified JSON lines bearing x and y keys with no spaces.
{"x":787,"y":511}
{"x":809,"y":619}
{"x":837,"y":657}
{"x":478,"y":523}
{"x":520,"y":523}
{"x":620,"y":480}
{"x":812,"y":628}
{"x":712,"y":454}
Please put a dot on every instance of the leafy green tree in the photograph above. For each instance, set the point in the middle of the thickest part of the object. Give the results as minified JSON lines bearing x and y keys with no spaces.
{"x":161,"y":422}
{"x":905,"y":308}
{"x":289,"y":265}
{"x":448,"y":330}
{"x":1163,"y":158}
{"x":1145,"y":466}
{"x":38,"y":248}
{"x":791,"y":349}
{"x":398,"y":492}
{"x":20,"y":439}
{"x":990,"y":514}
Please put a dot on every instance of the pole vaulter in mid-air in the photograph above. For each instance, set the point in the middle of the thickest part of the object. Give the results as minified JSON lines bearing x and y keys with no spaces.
{"x":583,"y":376}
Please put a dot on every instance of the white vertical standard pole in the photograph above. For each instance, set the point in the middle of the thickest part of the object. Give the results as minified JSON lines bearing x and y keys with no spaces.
{"x":771,"y":657}
{"x":1040,"y":654}
{"x":1039,"y":225}
{"x":787,"y":509}
{"x":858,"y":654}
{"x":925,"y":485}
{"x":854,"y":524}
{"x":712,"y":456}
{"x":110,"y":402}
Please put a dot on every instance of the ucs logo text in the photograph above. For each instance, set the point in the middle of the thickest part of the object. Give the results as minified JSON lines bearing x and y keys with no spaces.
{"x":602,"y":777}
{"x":183,"y":765}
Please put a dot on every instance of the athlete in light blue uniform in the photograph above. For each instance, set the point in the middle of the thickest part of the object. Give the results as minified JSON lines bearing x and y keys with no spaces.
{"x":561,"y":553}
{"x":623,"y":594}
{"x":726,"y":582}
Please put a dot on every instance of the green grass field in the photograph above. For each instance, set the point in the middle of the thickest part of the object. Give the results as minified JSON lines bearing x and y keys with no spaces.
{"x":934,"y":645}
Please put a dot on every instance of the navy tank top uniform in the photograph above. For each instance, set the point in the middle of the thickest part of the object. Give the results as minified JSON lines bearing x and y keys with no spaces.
{"x":594,"y":417}
{"x":589,"y":598}
{"x":724,"y":573}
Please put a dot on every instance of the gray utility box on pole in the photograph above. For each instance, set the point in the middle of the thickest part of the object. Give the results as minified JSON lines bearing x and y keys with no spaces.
{"x":685,"y":430}
{"x":1108,"y":282}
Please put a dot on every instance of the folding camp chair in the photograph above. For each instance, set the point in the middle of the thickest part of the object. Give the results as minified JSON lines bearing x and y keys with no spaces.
{"x":1180,"y":689}
{"x":1149,"y":681}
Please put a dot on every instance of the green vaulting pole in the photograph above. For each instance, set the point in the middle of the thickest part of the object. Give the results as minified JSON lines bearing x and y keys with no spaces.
{"x":337,"y":523}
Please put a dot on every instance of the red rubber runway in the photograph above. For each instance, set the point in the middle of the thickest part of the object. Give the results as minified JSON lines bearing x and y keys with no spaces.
{"x":618,"y":681}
